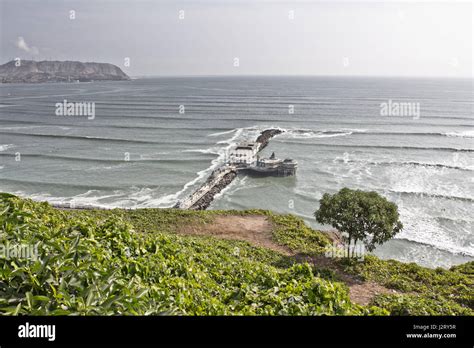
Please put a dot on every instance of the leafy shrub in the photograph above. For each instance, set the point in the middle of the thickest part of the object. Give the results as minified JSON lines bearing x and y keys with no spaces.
{"x":95,"y":264}
{"x":408,"y":304}
{"x":465,"y":268}
{"x":453,"y":286}
{"x":292,"y":232}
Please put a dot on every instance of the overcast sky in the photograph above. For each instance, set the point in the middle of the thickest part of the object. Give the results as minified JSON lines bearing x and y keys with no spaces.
{"x":267,"y":37}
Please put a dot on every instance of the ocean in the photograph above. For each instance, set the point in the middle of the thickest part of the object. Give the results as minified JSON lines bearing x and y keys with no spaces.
{"x":152,"y":141}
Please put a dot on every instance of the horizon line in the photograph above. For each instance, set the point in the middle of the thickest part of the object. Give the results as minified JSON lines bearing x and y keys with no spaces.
{"x":299,"y":75}
{"x":262,"y":75}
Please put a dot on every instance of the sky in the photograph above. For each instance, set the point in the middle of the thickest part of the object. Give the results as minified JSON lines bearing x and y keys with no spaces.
{"x":160,"y":38}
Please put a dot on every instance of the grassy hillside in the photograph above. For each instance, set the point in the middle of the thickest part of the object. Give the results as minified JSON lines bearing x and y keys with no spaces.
{"x":421,"y":291}
{"x":134,"y":263}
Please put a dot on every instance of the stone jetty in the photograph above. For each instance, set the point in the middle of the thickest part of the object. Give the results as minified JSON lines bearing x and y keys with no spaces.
{"x":220,"y":178}
{"x":203,"y":196}
{"x":265,"y":137}
{"x":205,"y":201}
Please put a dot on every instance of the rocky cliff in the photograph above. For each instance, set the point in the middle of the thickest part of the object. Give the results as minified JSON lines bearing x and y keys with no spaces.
{"x":30,"y":71}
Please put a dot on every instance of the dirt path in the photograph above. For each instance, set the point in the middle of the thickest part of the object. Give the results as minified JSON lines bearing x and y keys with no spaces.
{"x":257,"y":230}
{"x":360,"y":291}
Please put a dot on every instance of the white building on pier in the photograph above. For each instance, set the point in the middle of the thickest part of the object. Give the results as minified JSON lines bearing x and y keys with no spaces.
{"x":244,"y":153}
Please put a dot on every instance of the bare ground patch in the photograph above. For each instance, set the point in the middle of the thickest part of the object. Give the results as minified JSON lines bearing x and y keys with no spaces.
{"x":257,"y":230}
{"x":360,"y":291}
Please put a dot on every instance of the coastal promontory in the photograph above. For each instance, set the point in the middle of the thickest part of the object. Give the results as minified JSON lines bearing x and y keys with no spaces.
{"x":30,"y":71}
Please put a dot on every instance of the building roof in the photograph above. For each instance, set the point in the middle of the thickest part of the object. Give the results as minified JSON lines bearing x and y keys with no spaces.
{"x":246,"y":146}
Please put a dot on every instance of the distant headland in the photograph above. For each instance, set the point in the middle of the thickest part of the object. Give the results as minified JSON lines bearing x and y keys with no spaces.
{"x":30,"y":71}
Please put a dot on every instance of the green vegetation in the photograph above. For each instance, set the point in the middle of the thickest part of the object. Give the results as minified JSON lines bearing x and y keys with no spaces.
{"x":88,"y":264}
{"x":297,"y":236}
{"x":289,"y":230}
{"x":424,"y":291}
{"x":408,"y":304}
{"x":364,"y":216}
{"x":106,"y":262}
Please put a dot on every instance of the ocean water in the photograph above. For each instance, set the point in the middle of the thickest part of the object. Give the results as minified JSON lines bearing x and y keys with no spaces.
{"x":141,"y":151}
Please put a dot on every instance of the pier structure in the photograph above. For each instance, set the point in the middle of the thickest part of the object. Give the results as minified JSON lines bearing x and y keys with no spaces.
{"x":243,"y":159}
{"x":202,"y":197}
{"x":271,"y":166}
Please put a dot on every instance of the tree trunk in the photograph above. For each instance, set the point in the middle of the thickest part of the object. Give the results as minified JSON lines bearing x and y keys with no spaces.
{"x":353,"y":247}
{"x":349,"y":247}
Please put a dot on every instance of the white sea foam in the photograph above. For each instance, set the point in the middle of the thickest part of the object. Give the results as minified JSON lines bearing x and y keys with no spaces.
{"x":422,"y":228}
{"x":465,"y":134}
{"x":222,"y":133}
{"x":423,"y":180}
{"x":207,"y":151}
{"x":303,"y":133}
{"x":5,"y":147}
{"x":134,"y":197}
{"x":459,"y":165}
{"x":79,"y":201}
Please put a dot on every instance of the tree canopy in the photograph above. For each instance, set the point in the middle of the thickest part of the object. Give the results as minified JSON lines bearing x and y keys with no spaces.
{"x":363,"y":216}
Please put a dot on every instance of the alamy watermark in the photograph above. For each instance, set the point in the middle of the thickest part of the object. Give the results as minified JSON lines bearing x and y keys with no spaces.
{"x":393,"y":108}
{"x":353,"y":251}
{"x":28,"y":330}
{"x":18,"y":251}
{"x":76,"y":109}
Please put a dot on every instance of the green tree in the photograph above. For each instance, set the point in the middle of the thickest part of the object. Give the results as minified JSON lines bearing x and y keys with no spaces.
{"x":360,"y":216}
